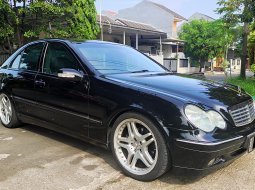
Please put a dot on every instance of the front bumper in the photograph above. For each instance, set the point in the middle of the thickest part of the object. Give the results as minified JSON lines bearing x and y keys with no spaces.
{"x":208,"y":155}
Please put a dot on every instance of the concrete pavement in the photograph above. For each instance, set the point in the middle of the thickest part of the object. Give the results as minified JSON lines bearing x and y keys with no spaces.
{"x":36,"y":158}
{"x":221,"y":77}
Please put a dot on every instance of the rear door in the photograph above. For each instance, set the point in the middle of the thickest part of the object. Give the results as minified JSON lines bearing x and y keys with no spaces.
{"x":21,"y":73}
{"x":62,"y":103}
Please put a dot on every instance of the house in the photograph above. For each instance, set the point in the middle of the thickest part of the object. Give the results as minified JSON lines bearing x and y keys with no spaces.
{"x":235,"y":61}
{"x":196,"y":16}
{"x":200,"y":16}
{"x":138,"y":35}
{"x":215,"y":64}
{"x":154,"y":14}
{"x":162,"y":19}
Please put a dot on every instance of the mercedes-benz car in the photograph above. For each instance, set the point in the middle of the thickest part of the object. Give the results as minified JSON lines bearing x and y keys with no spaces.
{"x":113,"y":96}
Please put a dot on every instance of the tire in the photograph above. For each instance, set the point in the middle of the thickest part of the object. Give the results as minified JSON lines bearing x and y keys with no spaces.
{"x":7,"y":106}
{"x":139,"y":147}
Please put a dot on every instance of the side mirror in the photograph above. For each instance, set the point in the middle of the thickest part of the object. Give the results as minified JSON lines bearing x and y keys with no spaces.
{"x":70,"y":74}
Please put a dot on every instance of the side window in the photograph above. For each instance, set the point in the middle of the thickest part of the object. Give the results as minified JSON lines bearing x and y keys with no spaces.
{"x":5,"y":65}
{"x":16,"y":62}
{"x":58,"y":57}
{"x":29,"y":58}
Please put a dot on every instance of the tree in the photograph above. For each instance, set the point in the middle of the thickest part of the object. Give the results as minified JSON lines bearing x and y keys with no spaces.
{"x":7,"y":18}
{"x":251,"y":47}
{"x":239,"y":11}
{"x":205,"y":40}
{"x":29,"y":19}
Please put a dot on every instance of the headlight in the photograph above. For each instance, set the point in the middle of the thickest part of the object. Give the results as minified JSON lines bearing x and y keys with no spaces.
{"x":206,"y":121}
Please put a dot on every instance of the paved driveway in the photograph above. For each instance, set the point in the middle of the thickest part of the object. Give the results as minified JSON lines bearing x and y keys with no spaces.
{"x":220,"y":76}
{"x":36,"y":158}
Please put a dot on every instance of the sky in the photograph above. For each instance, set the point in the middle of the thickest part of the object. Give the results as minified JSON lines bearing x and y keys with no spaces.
{"x":183,"y":7}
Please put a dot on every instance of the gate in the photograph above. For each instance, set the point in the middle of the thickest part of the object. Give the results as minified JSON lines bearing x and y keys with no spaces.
{"x":170,"y":64}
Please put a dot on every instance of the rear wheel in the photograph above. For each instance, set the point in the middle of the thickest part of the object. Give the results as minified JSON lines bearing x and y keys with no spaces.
{"x":139,"y":148}
{"x":7,"y":112}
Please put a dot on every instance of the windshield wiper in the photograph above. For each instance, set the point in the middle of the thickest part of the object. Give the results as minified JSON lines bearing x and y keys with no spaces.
{"x":141,"y":71}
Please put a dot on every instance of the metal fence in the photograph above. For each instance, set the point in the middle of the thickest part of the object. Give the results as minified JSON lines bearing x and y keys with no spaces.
{"x":3,"y":57}
{"x":170,"y":64}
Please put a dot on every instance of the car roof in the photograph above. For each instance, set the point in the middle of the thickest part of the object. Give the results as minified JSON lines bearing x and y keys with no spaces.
{"x":78,"y":42}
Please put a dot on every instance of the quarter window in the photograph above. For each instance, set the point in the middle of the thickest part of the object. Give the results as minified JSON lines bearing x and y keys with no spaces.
{"x":16,"y":62}
{"x":58,"y":57}
{"x":29,"y":58}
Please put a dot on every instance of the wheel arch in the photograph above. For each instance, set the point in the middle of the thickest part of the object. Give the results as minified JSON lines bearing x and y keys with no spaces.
{"x":141,"y":112}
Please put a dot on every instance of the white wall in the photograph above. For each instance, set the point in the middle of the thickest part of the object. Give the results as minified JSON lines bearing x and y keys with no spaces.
{"x":167,"y":51}
{"x":145,"y":49}
{"x":181,"y":55}
{"x":184,"y":70}
{"x":148,"y":13}
{"x":235,"y":65}
{"x":158,"y":58}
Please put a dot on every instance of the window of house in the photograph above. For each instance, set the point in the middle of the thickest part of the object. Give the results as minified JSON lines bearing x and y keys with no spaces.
{"x":238,"y":62}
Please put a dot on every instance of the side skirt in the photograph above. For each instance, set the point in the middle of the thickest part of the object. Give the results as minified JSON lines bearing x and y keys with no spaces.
{"x":35,"y":121}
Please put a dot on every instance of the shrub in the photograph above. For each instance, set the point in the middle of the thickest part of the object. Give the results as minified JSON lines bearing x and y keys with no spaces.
{"x":253,"y":68}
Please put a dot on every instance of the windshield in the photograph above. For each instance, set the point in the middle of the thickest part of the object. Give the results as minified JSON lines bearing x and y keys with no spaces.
{"x":113,"y":59}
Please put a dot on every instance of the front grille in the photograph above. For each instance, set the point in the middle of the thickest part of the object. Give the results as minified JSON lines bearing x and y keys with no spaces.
{"x":243,"y":113}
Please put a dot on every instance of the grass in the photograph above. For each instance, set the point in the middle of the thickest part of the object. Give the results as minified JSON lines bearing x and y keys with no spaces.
{"x":248,"y":85}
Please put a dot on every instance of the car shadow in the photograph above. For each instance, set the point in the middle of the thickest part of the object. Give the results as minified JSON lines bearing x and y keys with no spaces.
{"x":73,"y":142}
{"x":175,"y":176}
{"x":182,"y":177}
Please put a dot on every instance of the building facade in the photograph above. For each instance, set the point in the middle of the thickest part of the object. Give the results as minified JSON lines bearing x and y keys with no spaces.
{"x":168,"y":47}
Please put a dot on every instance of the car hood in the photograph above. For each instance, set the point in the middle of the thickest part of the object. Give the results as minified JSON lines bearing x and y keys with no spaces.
{"x":208,"y":93}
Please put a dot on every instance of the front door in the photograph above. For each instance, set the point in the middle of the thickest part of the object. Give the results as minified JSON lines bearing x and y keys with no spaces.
{"x":63,"y":103}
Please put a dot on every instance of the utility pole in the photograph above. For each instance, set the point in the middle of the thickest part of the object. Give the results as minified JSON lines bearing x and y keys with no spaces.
{"x":101,"y":26}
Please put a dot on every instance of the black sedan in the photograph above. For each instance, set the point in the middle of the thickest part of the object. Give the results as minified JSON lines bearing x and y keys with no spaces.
{"x":115,"y":97}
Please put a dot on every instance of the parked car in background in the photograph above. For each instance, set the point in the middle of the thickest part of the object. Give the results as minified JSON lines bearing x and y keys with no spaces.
{"x":115,"y":97}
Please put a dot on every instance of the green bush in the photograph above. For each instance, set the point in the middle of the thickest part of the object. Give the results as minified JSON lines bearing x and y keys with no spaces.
{"x":247,"y":84}
{"x":225,"y":64}
{"x":253,"y":68}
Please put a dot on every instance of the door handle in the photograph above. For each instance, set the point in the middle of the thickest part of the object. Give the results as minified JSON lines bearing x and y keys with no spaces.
{"x":40,"y":83}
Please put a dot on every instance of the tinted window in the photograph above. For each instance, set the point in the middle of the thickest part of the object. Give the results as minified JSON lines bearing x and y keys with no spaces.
{"x":58,"y":57}
{"x":8,"y":61}
{"x":29,"y":58}
{"x":16,"y":62}
{"x":5,"y":64}
{"x":108,"y":58}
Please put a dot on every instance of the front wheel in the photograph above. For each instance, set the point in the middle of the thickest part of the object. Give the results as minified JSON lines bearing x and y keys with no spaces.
{"x":7,"y":112}
{"x":139,"y":148}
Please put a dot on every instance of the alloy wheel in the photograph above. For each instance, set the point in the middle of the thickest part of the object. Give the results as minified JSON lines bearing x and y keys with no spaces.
{"x":136,"y":146}
{"x":5,"y":109}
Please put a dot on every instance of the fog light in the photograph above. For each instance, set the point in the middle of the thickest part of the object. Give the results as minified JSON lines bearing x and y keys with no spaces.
{"x":215,"y":161}
{"x":211,"y":162}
